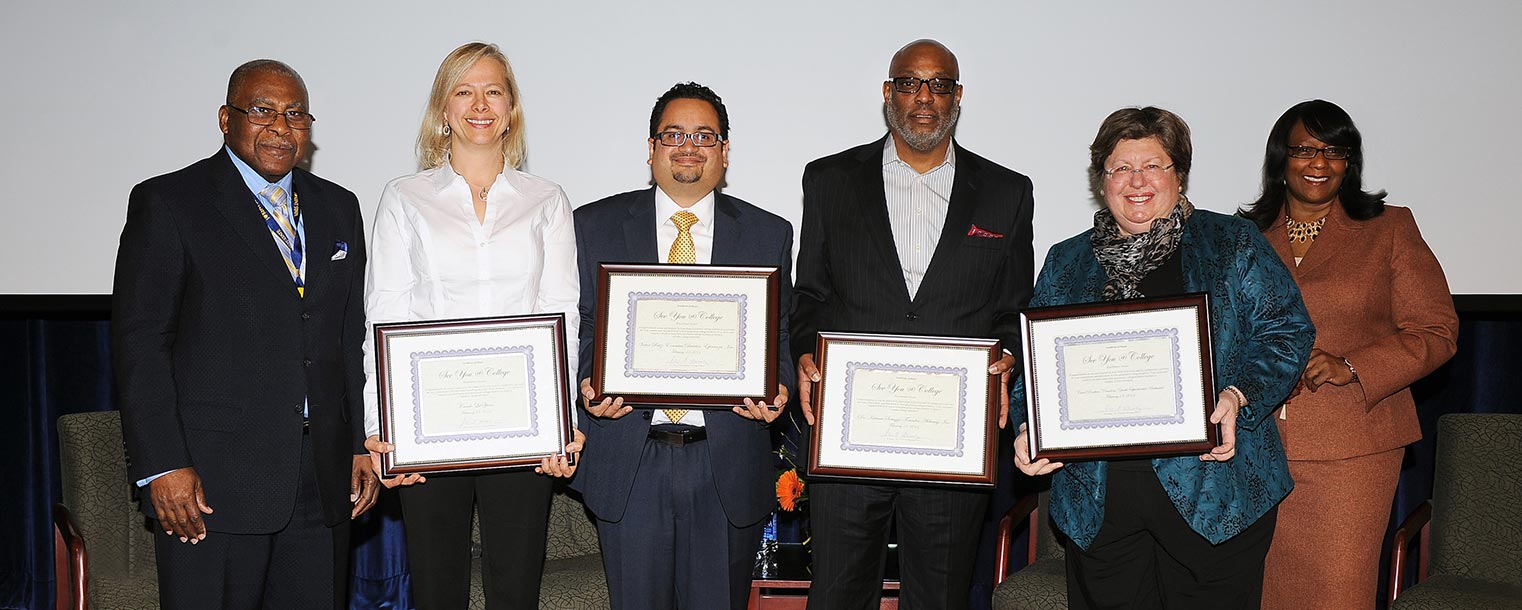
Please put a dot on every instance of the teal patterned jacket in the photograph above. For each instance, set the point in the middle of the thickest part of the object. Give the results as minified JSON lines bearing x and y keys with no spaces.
{"x":1262,"y":338}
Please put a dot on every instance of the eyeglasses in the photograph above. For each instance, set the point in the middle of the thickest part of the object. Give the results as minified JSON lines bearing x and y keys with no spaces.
{"x":701,"y":139}
{"x":1150,"y":172}
{"x":260,"y":115}
{"x":1332,"y":153}
{"x":910,"y":85}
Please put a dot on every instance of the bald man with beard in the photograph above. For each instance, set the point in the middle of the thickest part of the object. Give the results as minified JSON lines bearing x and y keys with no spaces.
{"x":911,"y":234}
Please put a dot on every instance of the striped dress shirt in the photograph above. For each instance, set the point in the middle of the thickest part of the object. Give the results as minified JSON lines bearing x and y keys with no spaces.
{"x":916,"y":210}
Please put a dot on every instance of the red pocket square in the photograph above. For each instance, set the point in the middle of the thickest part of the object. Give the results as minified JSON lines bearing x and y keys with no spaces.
{"x":975,"y":231}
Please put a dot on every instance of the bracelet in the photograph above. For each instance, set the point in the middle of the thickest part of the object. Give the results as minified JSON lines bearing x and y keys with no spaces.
{"x":1351,"y":369}
{"x":1241,"y":398}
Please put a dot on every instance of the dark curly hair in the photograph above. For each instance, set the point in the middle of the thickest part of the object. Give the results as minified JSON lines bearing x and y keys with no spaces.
{"x":690,"y":91}
{"x":1329,"y":123}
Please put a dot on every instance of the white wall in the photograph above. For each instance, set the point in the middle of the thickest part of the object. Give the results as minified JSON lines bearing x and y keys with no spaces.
{"x":100,"y":95}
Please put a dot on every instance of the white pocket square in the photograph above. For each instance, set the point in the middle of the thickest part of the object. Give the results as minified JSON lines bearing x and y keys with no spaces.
{"x":339,"y":255}
{"x":340,"y":251}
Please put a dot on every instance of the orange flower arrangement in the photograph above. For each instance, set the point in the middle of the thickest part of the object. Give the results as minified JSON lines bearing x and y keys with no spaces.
{"x":789,"y":489}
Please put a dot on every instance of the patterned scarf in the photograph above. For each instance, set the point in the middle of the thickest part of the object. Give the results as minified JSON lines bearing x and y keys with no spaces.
{"x":1129,"y":258}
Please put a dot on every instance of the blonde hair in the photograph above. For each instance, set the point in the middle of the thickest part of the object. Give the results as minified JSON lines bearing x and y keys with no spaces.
{"x":432,"y":143}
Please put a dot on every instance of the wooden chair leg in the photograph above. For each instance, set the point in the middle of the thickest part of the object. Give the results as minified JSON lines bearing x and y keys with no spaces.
{"x":69,"y":561}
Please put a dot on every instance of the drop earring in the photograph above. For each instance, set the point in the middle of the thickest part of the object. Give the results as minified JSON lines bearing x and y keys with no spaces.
{"x":446,"y":130}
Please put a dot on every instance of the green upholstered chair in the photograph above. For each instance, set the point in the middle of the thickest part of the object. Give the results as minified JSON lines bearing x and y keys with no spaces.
{"x":118,"y":544}
{"x":573,"y":574}
{"x":1471,"y":530}
{"x":1042,"y":583}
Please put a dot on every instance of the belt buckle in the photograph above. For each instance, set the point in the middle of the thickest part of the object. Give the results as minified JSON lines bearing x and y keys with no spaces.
{"x":677,"y":438}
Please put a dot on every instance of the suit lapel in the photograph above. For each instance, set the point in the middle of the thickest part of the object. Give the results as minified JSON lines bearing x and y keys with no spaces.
{"x":231,"y":198}
{"x":319,"y":226}
{"x":1339,"y":232}
{"x":964,"y":199}
{"x":727,"y":247}
{"x":639,"y":229}
{"x":872,"y":212}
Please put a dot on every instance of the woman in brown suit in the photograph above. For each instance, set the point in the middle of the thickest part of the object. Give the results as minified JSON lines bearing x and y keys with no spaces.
{"x":1384,"y":319}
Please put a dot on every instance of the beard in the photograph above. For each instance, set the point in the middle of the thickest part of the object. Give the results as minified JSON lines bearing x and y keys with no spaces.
{"x":686,"y":176}
{"x":921,"y":141}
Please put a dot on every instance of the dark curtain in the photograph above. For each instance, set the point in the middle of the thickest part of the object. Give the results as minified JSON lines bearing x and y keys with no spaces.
{"x":47,"y":368}
{"x":1481,"y":378}
{"x":62,"y":364}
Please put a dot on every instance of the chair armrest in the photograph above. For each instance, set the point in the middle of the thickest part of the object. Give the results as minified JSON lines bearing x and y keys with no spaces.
{"x":1418,"y":523}
{"x":69,"y":560}
{"x":1023,"y":510}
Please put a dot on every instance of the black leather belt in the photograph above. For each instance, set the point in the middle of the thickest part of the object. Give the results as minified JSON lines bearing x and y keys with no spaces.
{"x":676,"y":435}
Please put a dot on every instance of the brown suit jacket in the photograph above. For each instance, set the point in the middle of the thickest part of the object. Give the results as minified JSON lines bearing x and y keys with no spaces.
{"x":1378,"y":298}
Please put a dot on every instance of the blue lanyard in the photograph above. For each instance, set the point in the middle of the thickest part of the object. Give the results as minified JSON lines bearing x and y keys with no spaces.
{"x":292,"y":241}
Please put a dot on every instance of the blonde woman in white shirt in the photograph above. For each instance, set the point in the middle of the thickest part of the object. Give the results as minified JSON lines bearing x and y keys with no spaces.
{"x":471,"y":236}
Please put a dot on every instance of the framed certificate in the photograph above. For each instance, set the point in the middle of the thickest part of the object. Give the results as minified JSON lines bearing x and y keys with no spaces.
{"x":905,"y":408}
{"x":460,"y":395}
{"x":696,"y":336}
{"x":1119,"y":379}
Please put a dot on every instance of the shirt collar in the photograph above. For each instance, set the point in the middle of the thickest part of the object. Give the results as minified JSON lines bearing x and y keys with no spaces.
{"x":255,"y":182}
{"x":890,"y":156}
{"x":444,"y":177}
{"x":665,"y":207}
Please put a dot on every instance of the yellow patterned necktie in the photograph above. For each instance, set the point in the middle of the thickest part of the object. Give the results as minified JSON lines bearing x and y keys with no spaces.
{"x":283,"y":226}
{"x":682,"y":253}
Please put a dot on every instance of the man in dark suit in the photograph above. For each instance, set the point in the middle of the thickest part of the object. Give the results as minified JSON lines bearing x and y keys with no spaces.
{"x":680,"y":496}
{"x":910,"y":234}
{"x":237,"y":319}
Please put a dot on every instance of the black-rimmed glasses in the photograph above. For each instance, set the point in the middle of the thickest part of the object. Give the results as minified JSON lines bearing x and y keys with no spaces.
{"x":910,"y":85}
{"x":259,"y":115}
{"x":1332,"y":153}
{"x":701,"y":139}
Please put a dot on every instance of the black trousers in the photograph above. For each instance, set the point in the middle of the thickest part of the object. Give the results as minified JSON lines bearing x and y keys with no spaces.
{"x":514,"y":509}
{"x":304,"y":565}
{"x":1147,"y":557}
{"x":937,"y":543}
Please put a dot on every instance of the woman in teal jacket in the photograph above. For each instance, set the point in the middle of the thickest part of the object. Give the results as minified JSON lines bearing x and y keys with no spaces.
{"x":1191,"y":531}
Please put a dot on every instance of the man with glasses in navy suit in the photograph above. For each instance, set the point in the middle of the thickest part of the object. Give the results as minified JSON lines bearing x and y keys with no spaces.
{"x":680,"y":496}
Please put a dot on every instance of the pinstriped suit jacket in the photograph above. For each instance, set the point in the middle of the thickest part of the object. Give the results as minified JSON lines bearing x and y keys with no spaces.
{"x":849,"y":276}
{"x":850,"y":279}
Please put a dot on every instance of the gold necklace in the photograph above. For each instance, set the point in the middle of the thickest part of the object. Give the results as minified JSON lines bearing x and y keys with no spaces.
{"x":1300,"y":232}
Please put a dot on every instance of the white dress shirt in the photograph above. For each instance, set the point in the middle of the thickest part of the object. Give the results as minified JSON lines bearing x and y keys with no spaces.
{"x":702,"y":244}
{"x":430,"y":259}
{"x":917,"y":206}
